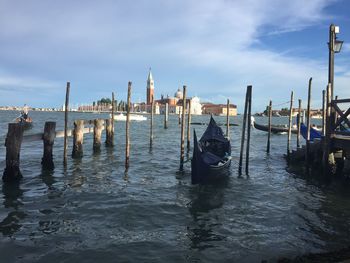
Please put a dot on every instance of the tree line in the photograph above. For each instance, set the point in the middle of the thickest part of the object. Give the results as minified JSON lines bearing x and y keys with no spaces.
{"x":121,"y":106}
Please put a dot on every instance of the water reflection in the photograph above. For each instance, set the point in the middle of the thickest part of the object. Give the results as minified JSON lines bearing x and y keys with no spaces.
{"x":204,"y":200}
{"x":12,"y":200}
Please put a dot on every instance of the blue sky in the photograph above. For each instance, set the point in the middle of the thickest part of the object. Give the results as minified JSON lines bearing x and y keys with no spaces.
{"x":216,"y":48}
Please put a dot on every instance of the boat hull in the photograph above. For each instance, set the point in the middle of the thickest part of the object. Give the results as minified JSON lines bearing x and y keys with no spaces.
{"x":207,"y":174}
{"x":26,"y":124}
{"x":274,"y":129}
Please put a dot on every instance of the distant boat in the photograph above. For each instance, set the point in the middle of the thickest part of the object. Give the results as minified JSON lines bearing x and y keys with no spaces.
{"x":133,"y":117}
{"x":23,"y":119}
{"x":211,"y":155}
{"x":26,"y":123}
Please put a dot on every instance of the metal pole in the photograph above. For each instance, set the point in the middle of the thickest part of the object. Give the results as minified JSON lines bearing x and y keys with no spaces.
{"x":331,"y":58}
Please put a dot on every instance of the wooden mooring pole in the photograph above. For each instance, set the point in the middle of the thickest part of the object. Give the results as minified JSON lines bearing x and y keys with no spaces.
{"x":182,"y":149}
{"x":324,"y":114}
{"x":13,"y":142}
{"x":248,"y":92}
{"x":65,"y":142}
{"x":189,"y":125}
{"x":151,"y":125}
{"x":290,"y":123}
{"x":127,"y":134}
{"x":328,"y":156}
{"x":249,"y":128}
{"x":308,"y":122}
{"x":48,"y":139}
{"x":166,"y":116}
{"x":269,"y":128}
{"x":109,"y":132}
{"x":98,"y":127}
{"x":78,"y":139}
{"x":299,"y":123}
{"x":110,"y":126}
{"x":228,"y":119}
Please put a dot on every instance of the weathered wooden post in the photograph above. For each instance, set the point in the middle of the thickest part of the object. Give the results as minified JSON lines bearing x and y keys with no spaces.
{"x":249,"y":128}
{"x":228,"y":119}
{"x":299,"y":123}
{"x":65,"y":142}
{"x":98,"y":127}
{"x":110,"y":126}
{"x":151,"y":125}
{"x":127,"y":134}
{"x":328,"y":156}
{"x":166,"y":115}
{"x":243,"y":132}
{"x":48,"y":139}
{"x":290,"y":123}
{"x":269,"y":128}
{"x":109,"y":132}
{"x":308,"y":122}
{"x":179,"y":116}
{"x":335,"y":112}
{"x":182,"y":151}
{"x":324,"y":115}
{"x":78,"y":139}
{"x":13,"y":147}
{"x":189,"y":125}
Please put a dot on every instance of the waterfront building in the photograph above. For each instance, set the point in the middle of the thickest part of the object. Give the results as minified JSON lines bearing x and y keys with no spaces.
{"x":219,"y":109}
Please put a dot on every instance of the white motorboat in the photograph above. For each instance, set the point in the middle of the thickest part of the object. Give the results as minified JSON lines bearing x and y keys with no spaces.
{"x":133,"y":117}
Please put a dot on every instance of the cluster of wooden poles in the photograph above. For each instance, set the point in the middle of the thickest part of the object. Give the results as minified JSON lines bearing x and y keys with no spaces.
{"x":326,"y":99}
{"x":15,"y":135}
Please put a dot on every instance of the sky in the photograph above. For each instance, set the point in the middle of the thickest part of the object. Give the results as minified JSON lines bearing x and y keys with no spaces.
{"x":215,"y":48}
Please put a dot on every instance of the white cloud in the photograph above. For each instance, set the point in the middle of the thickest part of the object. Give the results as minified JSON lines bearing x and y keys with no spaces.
{"x":113,"y":40}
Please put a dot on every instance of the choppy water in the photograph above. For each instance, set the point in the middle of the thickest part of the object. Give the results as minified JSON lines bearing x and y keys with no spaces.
{"x":94,"y":212}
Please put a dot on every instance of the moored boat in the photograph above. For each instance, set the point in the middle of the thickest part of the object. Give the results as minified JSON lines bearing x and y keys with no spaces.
{"x":211,"y":155}
{"x":314,"y":133}
{"x":133,"y":117}
{"x":274,"y":128}
{"x":26,"y":123}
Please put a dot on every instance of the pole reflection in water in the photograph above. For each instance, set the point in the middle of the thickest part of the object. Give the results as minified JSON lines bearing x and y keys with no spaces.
{"x":12,"y":203}
{"x":204,"y":200}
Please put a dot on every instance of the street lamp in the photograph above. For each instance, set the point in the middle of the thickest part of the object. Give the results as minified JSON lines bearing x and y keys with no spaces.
{"x":334,"y":46}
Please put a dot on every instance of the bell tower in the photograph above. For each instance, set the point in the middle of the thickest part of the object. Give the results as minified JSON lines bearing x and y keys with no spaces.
{"x":150,"y":88}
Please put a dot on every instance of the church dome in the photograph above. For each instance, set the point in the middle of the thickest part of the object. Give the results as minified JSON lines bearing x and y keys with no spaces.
{"x":179,"y":94}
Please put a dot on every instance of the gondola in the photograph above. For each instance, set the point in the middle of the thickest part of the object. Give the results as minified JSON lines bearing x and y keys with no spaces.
{"x":274,"y":129}
{"x":314,"y":134}
{"x":211,"y":155}
{"x":26,"y":123}
{"x":314,"y":131}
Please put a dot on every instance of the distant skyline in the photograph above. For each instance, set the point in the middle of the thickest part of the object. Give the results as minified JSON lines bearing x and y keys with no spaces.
{"x":215,"y":48}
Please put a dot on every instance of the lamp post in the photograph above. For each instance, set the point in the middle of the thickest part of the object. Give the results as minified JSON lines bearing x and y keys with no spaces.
{"x":334,"y":46}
